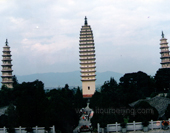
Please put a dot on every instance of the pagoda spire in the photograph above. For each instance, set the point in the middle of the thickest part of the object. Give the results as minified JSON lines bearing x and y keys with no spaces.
{"x":6,"y":42}
{"x":85,"y":23}
{"x":162,"y":34}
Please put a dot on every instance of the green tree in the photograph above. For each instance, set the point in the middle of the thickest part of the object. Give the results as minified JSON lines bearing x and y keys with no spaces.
{"x":6,"y":96}
{"x":135,"y":86}
{"x":61,"y":111}
{"x":3,"y":121}
{"x":103,"y":102}
{"x":31,"y":101}
{"x":15,"y":81}
{"x":167,"y":112}
{"x":144,"y":111}
{"x":12,"y":116}
{"x":79,"y":102}
{"x":162,"y":80}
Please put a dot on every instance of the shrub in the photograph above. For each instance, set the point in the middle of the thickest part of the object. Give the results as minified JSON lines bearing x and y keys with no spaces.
{"x":123,"y":124}
{"x":29,"y":129}
{"x":47,"y":129}
{"x":145,"y":123}
{"x":10,"y":130}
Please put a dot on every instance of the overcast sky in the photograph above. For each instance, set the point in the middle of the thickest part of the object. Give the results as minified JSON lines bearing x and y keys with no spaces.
{"x":44,"y":34}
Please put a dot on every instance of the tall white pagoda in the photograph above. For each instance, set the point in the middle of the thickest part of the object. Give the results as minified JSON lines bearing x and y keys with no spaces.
{"x":7,"y":66}
{"x":87,"y":60}
{"x":165,"y":57}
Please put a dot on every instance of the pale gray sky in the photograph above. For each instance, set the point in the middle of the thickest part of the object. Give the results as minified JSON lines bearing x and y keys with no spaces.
{"x":44,"y":34}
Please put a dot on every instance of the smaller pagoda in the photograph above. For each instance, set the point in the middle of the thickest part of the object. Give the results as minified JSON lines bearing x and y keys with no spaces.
{"x":7,"y":66}
{"x":165,"y":57}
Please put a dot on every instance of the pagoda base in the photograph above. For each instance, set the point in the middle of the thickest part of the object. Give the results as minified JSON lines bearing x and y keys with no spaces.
{"x":88,"y":88}
{"x":88,"y":96}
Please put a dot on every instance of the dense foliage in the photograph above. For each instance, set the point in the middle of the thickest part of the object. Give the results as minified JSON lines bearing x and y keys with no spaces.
{"x":167,"y":112}
{"x":162,"y":80}
{"x":29,"y":105}
{"x":112,"y":103}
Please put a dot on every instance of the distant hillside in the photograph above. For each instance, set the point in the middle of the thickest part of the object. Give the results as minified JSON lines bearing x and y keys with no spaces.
{"x":54,"y":80}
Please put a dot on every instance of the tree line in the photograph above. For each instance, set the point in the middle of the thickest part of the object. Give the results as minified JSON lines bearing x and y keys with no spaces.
{"x":111,"y":103}
{"x":29,"y":105}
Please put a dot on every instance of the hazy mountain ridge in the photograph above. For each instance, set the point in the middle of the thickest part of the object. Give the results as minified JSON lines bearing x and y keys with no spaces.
{"x":55,"y":80}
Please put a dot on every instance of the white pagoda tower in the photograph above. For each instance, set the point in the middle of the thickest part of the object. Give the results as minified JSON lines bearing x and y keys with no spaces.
{"x":7,"y":66}
{"x":165,"y":57}
{"x":87,"y":60}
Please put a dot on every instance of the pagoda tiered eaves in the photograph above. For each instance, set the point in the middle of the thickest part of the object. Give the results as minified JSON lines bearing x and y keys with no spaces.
{"x":165,"y":56}
{"x":7,"y":67}
{"x":87,"y":60}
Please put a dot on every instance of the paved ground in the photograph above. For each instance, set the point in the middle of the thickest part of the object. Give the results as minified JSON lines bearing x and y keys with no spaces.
{"x":82,"y":121}
{"x":152,"y":131}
